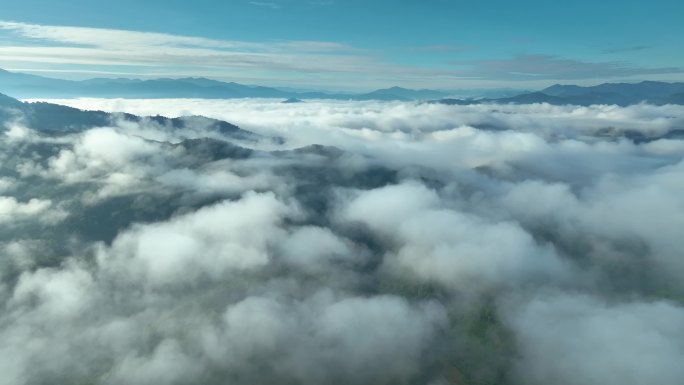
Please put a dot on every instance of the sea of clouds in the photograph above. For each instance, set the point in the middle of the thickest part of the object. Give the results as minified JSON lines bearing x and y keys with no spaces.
{"x":372,"y":243}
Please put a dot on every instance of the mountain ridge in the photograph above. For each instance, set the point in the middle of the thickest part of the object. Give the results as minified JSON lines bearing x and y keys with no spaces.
{"x":34,"y":86}
{"x":621,"y":94}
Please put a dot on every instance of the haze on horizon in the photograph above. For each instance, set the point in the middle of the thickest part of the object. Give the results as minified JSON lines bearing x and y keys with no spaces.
{"x":349,"y":45}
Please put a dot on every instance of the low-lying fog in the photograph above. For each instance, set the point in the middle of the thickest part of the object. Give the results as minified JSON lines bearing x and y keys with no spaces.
{"x":415,"y":244}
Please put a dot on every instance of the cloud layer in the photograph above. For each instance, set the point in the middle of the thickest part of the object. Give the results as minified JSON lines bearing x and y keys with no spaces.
{"x":378,"y":243}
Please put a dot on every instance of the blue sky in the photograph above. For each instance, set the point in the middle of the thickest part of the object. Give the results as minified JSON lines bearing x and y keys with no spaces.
{"x":349,"y":44}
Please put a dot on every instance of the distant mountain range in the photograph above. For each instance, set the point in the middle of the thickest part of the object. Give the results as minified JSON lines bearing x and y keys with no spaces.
{"x":32,"y":86}
{"x":622,"y":94}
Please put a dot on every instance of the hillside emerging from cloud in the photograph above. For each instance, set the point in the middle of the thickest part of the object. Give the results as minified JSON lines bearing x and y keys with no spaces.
{"x":340,"y":242}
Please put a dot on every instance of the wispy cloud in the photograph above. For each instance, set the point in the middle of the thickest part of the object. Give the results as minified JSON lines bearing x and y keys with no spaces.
{"x":442,"y":48}
{"x":626,"y":49}
{"x":124,"y":39}
{"x":279,"y":4}
{"x":265,"y":4}
{"x":321,"y":3}
{"x":82,"y":51}
{"x":527,"y":67}
{"x":47,"y":46}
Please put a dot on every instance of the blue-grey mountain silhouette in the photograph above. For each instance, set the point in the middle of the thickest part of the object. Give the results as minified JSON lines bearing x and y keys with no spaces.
{"x":32,"y":86}
{"x":622,"y":94}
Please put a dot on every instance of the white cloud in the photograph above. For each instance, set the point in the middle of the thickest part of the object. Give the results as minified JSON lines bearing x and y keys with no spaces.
{"x":459,"y":250}
{"x":6,"y":184}
{"x":131,"y":157}
{"x":212,"y":242}
{"x":168,"y":364}
{"x":327,"y":339}
{"x":122,"y":39}
{"x":61,"y":294}
{"x":264,"y":4}
{"x":575,"y":339}
{"x":540,"y":137}
{"x":442,"y":244}
{"x":12,"y":210}
{"x":313,"y":249}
